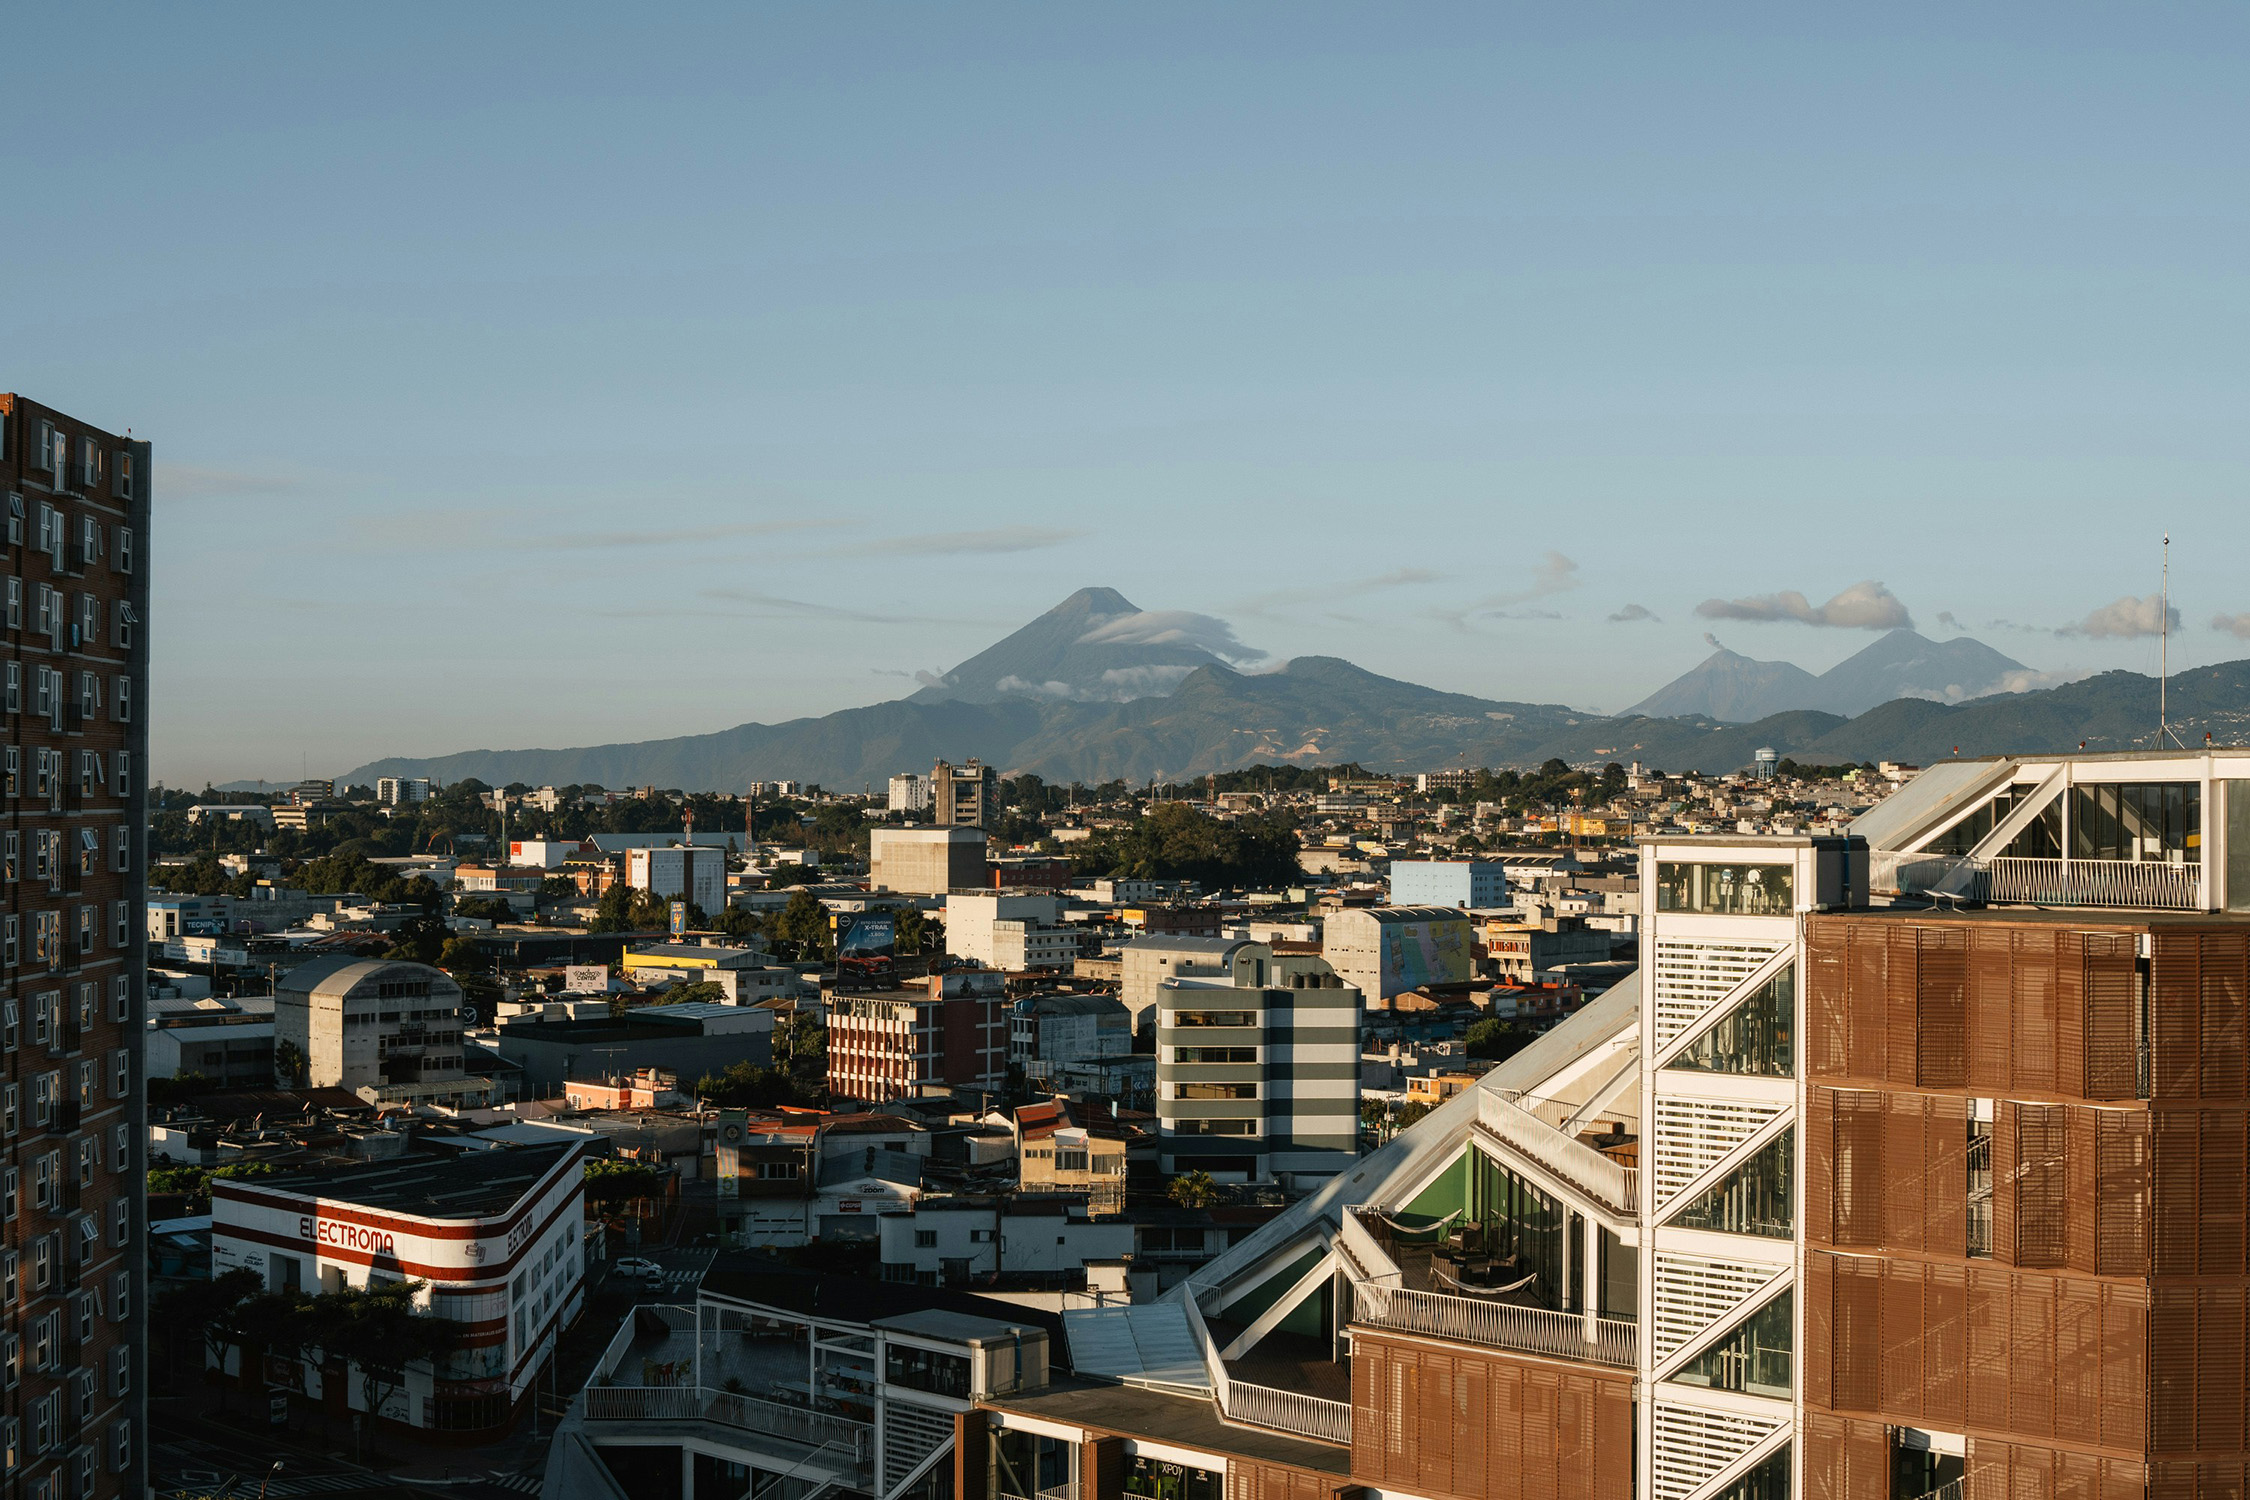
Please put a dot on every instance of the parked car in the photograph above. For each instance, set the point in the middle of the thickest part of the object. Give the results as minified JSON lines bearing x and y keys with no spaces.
{"x":634,"y":1265}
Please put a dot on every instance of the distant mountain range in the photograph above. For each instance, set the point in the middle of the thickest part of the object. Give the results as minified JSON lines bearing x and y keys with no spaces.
{"x":1057,"y":698}
{"x":1902,"y":664}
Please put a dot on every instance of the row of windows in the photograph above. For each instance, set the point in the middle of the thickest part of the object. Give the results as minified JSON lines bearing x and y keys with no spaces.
{"x":85,"y":462}
{"x":65,"y":629}
{"x":48,"y":1019}
{"x":49,"y":946}
{"x":51,"y":696}
{"x":50,"y":773}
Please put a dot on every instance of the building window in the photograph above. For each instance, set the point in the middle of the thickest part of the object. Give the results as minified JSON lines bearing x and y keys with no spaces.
{"x":1755,"y":1198}
{"x":1725,"y":890}
{"x":121,"y":777}
{"x":120,"y":848}
{"x":9,"y":1191}
{"x":120,"y":1148}
{"x":124,"y":549}
{"x":15,"y":706}
{"x":121,"y":999}
{"x":1214,"y":1018}
{"x":121,"y":707}
{"x":120,"y":1073}
{"x":121,"y":1297}
{"x":925,"y":1239}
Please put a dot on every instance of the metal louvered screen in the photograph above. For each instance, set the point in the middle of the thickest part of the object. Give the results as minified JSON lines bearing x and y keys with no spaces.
{"x":1692,"y":1293}
{"x":1691,"y":1445}
{"x":1692,"y":977}
{"x":1695,"y":1135}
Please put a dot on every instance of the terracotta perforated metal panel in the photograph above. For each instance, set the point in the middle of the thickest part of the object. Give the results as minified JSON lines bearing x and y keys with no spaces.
{"x":2112,"y":1068}
{"x":2125,"y":1366}
{"x":2173,"y":1170}
{"x":2041,"y":1196}
{"x":1944,"y":1347}
{"x":2082,"y":1229}
{"x":1991,"y":966}
{"x":2175,"y":1014}
{"x":2033,"y":1063}
{"x":1988,"y":1334}
{"x":1820,"y":1165}
{"x":2078,"y":1358}
{"x":1902,"y":1341}
{"x":2171,"y":1330}
{"x":1941,"y":1034}
{"x":1868,"y":1006}
{"x":1901,"y":1008}
{"x":1857,"y":1170}
{"x":1827,"y":1031}
{"x":2004,"y":1182}
{"x":1906,"y":1168}
{"x":2031,"y":1369}
{"x":2219,"y":1191}
{"x":1945,"y":1145}
{"x":1857,"y":1333}
{"x":1816,"y":1299}
{"x":2221,"y":963}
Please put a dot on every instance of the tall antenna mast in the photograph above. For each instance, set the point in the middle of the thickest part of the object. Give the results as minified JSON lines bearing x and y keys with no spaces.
{"x":2164,"y":654}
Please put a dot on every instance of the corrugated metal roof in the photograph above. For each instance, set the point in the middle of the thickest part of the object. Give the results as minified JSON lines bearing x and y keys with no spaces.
{"x":1151,"y":1343}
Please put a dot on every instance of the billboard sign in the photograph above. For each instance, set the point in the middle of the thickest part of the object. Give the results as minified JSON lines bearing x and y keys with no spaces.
{"x":679,"y":918}
{"x":1415,"y":954}
{"x":868,"y":934}
{"x":586,"y":979}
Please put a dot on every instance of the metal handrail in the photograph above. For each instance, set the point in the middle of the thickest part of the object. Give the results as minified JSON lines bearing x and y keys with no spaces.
{"x":1606,"y":1181}
{"x":1292,"y":1412}
{"x":689,"y":1403}
{"x":2010,"y":880}
{"x":1535,"y":1330}
{"x":1363,"y":1254}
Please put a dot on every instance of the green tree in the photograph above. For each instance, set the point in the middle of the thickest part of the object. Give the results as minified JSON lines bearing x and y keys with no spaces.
{"x":740,"y":923}
{"x":199,"y":1315}
{"x":690,"y":994}
{"x":419,"y":940}
{"x":269,"y":1324}
{"x":804,"y":923}
{"x":1193,"y":1190}
{"x":379,"y":1331}
{"x":1175,"y":842}
{"x":911,"y":928}
{"x":611,"y":1182}
{"x":459,"y":955}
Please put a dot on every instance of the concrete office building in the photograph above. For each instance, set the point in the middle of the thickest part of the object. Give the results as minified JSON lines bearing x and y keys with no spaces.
{"x":909,"y":793}
{"x":388,"y":1031}
{"x":950,"y":1032}
{"x":964,"y":796}
{"x":1384,"y":951}
{"x":494,"y":1238}
{"x":1257,"y":1083}
{"x":1462,"y":883}
{"x":1146,"y":964}
{"x":695,"y":874}
{"x":402,"y":791}
{"x":72,"y":1247}
{"x":971,"y":916}
{"x":925,"y":861}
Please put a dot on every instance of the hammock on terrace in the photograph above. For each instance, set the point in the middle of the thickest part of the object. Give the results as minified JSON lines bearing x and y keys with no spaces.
{"x":1480,"y":1291}
{"x":1436,"y":1226}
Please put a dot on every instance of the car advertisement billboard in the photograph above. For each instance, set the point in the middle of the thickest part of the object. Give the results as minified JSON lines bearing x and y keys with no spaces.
{"x":868,"y":934}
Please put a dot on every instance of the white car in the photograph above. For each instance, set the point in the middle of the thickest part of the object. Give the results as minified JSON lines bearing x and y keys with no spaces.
{"x":633,"y":1265}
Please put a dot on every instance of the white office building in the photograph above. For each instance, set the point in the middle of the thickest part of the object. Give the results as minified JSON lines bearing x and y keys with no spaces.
{"x":697,"y":875}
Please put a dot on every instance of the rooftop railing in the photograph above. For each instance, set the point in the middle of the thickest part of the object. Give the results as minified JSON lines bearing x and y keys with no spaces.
{"x":2144,"y":885}
{"x":1292,"y":1412}
{"x":1499,"y":1325}
{"x":1604,"y":1180}
{"x":852,"y":1441}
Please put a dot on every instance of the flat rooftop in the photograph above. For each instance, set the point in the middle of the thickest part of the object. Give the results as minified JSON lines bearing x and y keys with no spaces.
{"x":1185,"y":1421}
{"x":474,"y":1185}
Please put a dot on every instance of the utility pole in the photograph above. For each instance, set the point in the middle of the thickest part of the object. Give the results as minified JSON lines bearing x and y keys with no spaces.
{"x":2164,"y":654}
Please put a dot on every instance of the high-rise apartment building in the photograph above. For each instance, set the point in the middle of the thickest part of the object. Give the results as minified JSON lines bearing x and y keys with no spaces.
{"x":964,"y":796}
{"x":909,"y":792}
{"x":73,"y":759}
{"x":1258,"y":1082}
{"x":949,"y":1031}
{"x":402,"y":791}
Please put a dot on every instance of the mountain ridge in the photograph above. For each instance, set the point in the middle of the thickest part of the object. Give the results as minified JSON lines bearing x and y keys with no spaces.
{"x":1901,"y":663}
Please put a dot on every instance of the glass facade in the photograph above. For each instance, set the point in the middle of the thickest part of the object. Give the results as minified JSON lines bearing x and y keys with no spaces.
{"x":1755,"y":1198}
{"x":2154,"y":821}
{"x":1161,"y":1479}
{"x":1755,"y":1359}
{"x":1213,"y":1018}
{"x":1768,"y":1481}
{"x":927,"y":1370}
{"x":2237,"y":795}
{"x":1030,"y":1466}
{"x":1725,"y":890}
{"x":1757,"y":1037}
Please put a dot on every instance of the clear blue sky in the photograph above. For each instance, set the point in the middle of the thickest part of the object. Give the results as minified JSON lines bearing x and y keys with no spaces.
{"x":554,"y":374}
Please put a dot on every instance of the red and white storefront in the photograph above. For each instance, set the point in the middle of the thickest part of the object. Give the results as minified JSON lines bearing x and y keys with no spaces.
{"x":512,"y":1276}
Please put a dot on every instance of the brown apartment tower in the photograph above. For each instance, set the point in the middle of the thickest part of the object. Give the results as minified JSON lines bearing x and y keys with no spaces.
{"x":73,"y":854}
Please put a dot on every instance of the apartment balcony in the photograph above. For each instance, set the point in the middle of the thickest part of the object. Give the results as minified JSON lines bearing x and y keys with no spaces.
{"x":1499,"y":1324}
{"x":735,"y":1391}
{"x":1510,"y":1120}
{"x":2116,"y":884}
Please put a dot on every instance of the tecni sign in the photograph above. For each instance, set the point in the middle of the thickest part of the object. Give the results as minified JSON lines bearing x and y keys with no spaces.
{"x":344,"y":1235}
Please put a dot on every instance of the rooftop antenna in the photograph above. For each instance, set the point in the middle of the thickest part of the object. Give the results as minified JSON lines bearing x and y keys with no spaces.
{"x":2164,"y":654}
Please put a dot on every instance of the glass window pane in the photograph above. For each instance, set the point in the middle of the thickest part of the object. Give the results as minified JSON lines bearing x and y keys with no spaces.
{"x":1754,"y":1359}
{"x":1755,"y":1198}
{"x":1757,"y":1037}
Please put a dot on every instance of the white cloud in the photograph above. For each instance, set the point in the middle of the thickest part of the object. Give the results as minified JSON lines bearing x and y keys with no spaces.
{"x":1866,"y":605}
{"x":2127,"y":619}
{"x":1554,"y":574}
{"x":2237,"y":626}
{"x":1171,"y":627}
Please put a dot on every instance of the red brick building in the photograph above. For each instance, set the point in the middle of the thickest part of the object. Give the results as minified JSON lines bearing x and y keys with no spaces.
{"x":73,"y":759}
{"x":948,"y":1032}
